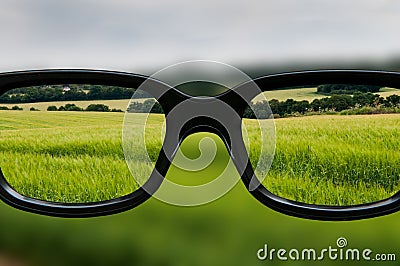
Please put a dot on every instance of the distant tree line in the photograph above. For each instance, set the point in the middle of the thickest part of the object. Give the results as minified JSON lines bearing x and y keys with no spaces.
{"x":290,"y":107}
{"x":346,"y":89}
{"x":69,"y":107}
{"x":69,"y":93}
{"x":335,"y":103}
{"x":90,"y":108}
{"x":347,"y":104}
{"x":12,"y":108}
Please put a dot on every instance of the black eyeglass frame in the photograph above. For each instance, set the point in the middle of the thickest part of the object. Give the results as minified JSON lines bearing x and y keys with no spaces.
{"x":168,"y":100}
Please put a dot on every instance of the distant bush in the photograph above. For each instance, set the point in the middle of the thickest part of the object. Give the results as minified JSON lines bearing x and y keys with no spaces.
{"x":97,"y":108}
{"x":33,"y":109}
{"x":72,"y":107}
{"x":52,"y":108}
{"x":67,"y":107}
{"x":4,"y":108}
{"x":16,"y":107}
{"x":392,"y":100}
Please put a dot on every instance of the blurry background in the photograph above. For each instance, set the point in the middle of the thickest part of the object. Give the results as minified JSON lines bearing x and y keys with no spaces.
{"x":143,"y":36}
{"x":258,"y":37}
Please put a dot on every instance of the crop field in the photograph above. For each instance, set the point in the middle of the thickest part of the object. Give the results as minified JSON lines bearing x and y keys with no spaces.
{"x":117,"y":104}
{"x":78,"y":156}
{"x":65,"y":156}
{"x":308,"y":94}
{"x":335,"y":160}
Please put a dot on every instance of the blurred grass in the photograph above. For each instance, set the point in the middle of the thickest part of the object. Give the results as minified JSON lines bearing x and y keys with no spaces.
{"x":228,"y":231}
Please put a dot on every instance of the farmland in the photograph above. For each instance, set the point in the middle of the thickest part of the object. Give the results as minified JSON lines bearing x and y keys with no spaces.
{"x":117,"y":104}
{"x":77,"y":156}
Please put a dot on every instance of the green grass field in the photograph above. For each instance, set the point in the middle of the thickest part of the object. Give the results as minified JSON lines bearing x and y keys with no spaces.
{"x":336,"y":160}
{"x":66,"y":156}
{"x":308,"y":94}
{"x":77,"y":156}
{"x":385,"y":92}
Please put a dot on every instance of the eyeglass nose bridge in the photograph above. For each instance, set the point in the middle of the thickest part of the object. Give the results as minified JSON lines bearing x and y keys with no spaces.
{"x":205,"y":124}
{"x":206,"y":115}
{"x":200,"y":115}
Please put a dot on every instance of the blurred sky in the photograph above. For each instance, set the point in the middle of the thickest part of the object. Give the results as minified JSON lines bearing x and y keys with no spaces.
{"x":139,"y":36}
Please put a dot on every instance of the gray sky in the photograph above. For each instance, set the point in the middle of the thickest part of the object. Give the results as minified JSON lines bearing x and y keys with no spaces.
{"x":132,"y":35}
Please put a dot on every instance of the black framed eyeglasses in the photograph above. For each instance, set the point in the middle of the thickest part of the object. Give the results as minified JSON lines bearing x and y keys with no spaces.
{"x":316,"y":144}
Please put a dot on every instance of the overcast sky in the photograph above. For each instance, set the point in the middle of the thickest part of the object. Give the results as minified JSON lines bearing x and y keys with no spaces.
{"x":132,"y":35}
